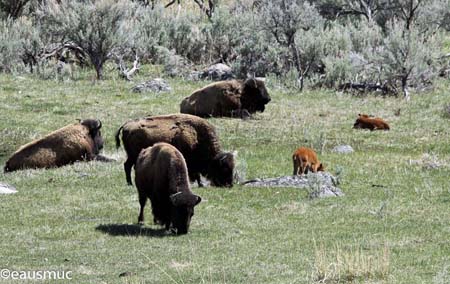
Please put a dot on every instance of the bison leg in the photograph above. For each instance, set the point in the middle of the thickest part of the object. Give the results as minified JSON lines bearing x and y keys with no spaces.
{"x":199,"y":180}
{"x":142,"y":202}
{"x":303,"y":168}
{"x":295,"y":168}
{"x":195,"y":177}
{"x":127,"y":166}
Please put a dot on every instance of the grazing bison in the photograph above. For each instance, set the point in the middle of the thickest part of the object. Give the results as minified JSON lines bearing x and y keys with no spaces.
{"x":74,"y":142}
{"x":193,"y":136}
{"x":305,"y":159}
{"x":227,"y":98}
{"x":162,"y":176}
{"x":365,"y":122}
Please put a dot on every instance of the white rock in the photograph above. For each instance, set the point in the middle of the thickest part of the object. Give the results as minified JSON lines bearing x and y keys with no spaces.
{"x":7,"y":189}
{"x":343,"y":149}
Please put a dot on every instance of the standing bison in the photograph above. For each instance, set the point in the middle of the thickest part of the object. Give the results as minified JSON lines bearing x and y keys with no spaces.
{"x":74,"y":142}
{"x":227,"y":98}
{"x":162,"y":176}
{"x":305,"y":159}
{"x":193,"y":136}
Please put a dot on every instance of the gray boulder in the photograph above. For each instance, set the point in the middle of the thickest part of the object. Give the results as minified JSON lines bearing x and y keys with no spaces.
{"x":319,"y":185}
{"x":218,"y":72}
{"x":157,"y":85}
{"x":343,"y":149}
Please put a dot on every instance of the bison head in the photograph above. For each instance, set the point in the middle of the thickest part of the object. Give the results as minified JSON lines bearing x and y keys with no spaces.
{"x":321,"y":168}
{"x":220,"y":171}
{"x":254,"y":95}
{"x":94,"y":126}
{"x":183,"y":210}
{"x":358,"y":124}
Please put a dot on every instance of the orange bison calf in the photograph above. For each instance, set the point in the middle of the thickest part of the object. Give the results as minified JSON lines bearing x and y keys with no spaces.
{"x":305,"y":159}
{"x":74,"y":142}
{"x":161,"y":175}
{"x":365,"y":122}
{"x":193,"y":136}
{"x":235,"y":98}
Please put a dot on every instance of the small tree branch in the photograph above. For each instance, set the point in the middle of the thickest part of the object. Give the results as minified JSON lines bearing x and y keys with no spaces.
{"x":124,"y":72}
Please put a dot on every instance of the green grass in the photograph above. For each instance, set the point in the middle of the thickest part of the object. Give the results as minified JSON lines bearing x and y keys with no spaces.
{"x":392,"y":225}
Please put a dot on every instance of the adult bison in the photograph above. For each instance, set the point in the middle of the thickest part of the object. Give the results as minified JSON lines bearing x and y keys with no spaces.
{"x":162,"y":176}
{"x":74,"y":142}
{"x":193,"y":136}
{"x":227,"y":98}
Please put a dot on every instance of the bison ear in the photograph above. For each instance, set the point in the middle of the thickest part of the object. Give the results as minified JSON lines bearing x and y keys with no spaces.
{"x":227,"y":157}
{"x":251,"y":82}
{"x":92,"y":124}
{"x":185,"y":199}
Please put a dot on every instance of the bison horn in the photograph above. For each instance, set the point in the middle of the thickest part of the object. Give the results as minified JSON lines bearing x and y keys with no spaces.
{"x":99,"y":123}
{"x":227,"y":155}
{"x":183,"y":198}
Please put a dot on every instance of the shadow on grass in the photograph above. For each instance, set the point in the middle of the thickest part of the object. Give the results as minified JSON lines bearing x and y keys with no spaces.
{"x":131,"y":230}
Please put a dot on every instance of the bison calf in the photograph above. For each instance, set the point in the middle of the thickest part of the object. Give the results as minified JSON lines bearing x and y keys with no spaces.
{"x":365,"y":122}
{"x":193,"y":136}
{"x":227,"y":98}
{"x":305,"y":159}
{"x":161,"y":175}
{"x":74,"y":142}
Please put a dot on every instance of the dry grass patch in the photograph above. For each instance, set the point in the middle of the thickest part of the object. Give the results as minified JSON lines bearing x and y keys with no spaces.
{"x":342,"y":265}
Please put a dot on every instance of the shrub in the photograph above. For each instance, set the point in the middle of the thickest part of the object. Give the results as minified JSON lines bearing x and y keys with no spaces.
{"x":95,"y":26}
{"x":289,"y":21}
{"x":12,"y":8}
{"x":256,"y":52}
{"x":20,"y":44}
{"x":10,"y":44}
{"x":392,"y":61}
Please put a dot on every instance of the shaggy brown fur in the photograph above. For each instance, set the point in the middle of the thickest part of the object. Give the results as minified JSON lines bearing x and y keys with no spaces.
{"x":373,"y":123}
{"x":161,"y":175}
{"x":193,"y":136}
{"x":227,"y":98}
{"x":74,"y":142}
{"x":305,"y":159}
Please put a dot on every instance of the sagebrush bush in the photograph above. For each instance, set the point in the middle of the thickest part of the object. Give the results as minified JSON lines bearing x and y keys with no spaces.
{"x":10,"y":44}
{"x":289,"y":22}
{"x":95,"y":26}
{"x":13,"y":8}
{"x":20,"y":44}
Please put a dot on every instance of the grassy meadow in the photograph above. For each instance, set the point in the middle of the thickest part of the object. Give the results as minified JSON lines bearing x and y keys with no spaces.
{"x":392,"y":225}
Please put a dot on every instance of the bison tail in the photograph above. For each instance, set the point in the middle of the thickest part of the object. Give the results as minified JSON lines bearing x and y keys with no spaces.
{"x":117,"y":137}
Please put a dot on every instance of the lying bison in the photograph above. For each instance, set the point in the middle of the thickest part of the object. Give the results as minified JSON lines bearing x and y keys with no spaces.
{"x":373,"y":123}
{"x":161,"y":175}
{"x":193,"y":136}
{"x":74,"y":142}
{"x":305,"y":159}
{"x":227,"y":98}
